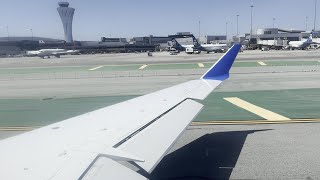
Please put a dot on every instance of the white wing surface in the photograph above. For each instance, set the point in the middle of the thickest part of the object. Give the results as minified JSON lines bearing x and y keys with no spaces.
{"x":138,"y":132}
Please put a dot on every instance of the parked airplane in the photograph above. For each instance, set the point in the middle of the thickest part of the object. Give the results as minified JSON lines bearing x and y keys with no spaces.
{"x":213,"y":47}
{"x":138,"y":132}
{"x":187,"y":48}
{"x":304,"y":44}
{"x":51,"y":52}
{"x":196,"y":47}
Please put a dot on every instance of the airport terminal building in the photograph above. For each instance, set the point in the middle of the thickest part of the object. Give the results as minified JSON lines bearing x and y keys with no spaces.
{"x":276,"y":36}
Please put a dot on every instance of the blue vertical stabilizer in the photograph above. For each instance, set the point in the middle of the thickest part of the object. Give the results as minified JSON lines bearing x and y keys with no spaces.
{"x":220,"y":70}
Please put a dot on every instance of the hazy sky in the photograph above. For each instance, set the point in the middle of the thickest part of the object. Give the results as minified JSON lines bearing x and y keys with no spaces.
{"x":128,"y":18}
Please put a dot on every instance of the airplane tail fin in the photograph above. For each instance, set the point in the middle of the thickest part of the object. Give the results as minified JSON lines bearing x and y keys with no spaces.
{"x":176,"y":44}
{"x":220,"y":70}
{"x":309,"y":40}
{"x":195,"y":42}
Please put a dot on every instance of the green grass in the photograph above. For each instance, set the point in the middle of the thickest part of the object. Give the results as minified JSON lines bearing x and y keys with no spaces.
{"x":42,"y":70}
{"x":216,"y":108}
{"x":112,"y":68}
{"x":292,"y":63}
{"x":172,"y":66}
{"x":38,"y":112}
{"x":119,"y":68}
{"x":290,"y":103}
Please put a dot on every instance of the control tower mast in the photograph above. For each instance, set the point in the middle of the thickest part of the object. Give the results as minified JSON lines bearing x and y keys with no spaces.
{"x":66,"y":14}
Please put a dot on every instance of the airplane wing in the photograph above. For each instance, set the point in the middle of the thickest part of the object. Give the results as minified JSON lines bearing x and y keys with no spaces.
{"x":137,"y":133}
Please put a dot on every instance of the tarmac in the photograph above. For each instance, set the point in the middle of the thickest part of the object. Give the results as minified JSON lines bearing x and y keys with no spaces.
{"x":289,"y":151}
{"x":159,"y":57}
{"x":283,"y":82}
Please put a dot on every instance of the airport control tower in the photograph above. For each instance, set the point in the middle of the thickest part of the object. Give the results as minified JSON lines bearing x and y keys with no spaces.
{"x":66,"y":14}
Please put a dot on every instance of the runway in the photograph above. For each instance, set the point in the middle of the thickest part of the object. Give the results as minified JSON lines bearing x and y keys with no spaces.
{"x":157,"y":58}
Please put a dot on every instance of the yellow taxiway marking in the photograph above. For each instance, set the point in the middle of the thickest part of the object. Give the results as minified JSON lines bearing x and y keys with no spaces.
{"x":252,"y":122}
{"x":198,"y":123}
{"x":92,"y":69}
{"x":201,"y":65}
{"x":17,"y":128}
{"x":262,"y":63}
{"x":143,"y":66}
{"x":264,"y":113}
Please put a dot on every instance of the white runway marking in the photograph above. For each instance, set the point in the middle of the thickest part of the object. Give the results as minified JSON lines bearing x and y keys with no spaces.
{"x":143,"y":66}
{"x":262,"y":63}
{"x":201,"y":65}
{"x":264,"y":113}
{"x":92,"y":69}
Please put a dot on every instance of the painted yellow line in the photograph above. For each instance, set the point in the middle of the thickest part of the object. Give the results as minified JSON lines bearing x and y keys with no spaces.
{"x":264,"y":113}
{"x":255,"y":121}
{"x":143,"y":66}
{"x":262,"y":63}
{"x":201,"y":65}
{"x":17,"y":128}
{"x":252,"y":122}
{"x":92,"y":69}
{"x":95,"y":68}
{"x":20,"y":127}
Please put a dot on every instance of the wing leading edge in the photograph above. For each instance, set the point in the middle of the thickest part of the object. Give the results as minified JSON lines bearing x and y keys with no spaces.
{"x":139,"y":131}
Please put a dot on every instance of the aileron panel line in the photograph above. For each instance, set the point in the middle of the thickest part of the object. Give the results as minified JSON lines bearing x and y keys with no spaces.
{"x":153,"y":142}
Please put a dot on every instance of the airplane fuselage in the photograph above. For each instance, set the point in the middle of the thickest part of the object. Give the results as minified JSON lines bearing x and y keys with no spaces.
{"x":301,"y":44}
{"x":213,"y":47}
{"x":51,"y":52}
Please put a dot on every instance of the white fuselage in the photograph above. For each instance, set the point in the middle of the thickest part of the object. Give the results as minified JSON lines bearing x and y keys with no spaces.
{"x":207,"y":47}
{"x":214,"y":47}
{"x":51,"y":52}
{"x":301,"y":44}
{"x":297,"y":44}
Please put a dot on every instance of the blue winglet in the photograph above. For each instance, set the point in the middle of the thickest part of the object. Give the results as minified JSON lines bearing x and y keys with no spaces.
{"x":220,"y":70}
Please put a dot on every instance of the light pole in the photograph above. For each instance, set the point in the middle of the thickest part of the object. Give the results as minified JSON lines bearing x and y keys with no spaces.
{"x":315,"y":15}
{"x":273,"y":20}
{"x":8,"y":32}
{"x":251,"y":21}
{"x":199,"y":30}
{"x":237,"y":25}
{"x":227,"y":30}
{"x":31,"y":34}
{"x":306,"y":23}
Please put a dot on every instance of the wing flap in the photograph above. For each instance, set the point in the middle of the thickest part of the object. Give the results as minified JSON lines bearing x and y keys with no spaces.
{"x":153,"y":142}
{"x":105,"y":168}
